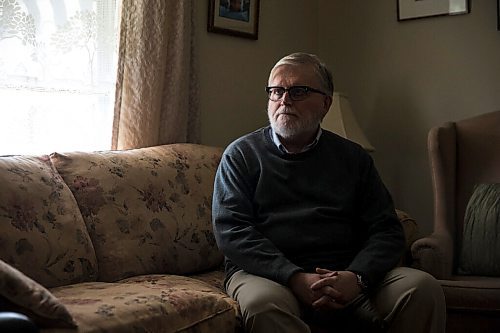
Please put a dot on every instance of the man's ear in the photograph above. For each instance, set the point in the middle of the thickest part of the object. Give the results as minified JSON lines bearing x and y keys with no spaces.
{"x":327,"y":102}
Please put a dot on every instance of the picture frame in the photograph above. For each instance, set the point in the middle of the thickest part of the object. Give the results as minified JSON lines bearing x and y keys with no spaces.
{"x":238,"y":18}
{"x":498,"y":15}
{"x":414,"y":9}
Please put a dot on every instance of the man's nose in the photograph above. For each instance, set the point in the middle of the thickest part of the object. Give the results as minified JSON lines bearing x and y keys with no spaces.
{"x":285,"y":99}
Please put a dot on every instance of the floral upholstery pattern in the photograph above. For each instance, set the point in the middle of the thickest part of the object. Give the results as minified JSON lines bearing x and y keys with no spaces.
{"x":21,"y":294}
{"x":410,"y":227}
{"x":135,"y":251}
{"x":42,"y":232}
{"x":216,"y":279}
{"x":147,"y":210}
{"x":148,"y":303}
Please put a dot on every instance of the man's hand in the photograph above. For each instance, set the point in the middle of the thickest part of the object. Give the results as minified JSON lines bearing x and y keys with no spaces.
{"x":336,"y":289}
{"x":300,"y":283}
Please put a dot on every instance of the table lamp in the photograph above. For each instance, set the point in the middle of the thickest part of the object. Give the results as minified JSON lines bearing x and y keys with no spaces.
{"x":342,"y":121}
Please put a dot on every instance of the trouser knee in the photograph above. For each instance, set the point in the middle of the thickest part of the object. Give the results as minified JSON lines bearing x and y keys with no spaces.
{"x":420,"y":306}
{"x":273,"y":317}
{"x":428,"y":290}
{"x":267,"y":304}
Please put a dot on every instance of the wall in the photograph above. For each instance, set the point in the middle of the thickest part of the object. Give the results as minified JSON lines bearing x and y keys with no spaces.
{"x":405,"y":77}
{"x":402,"y":77}
{"x":234,"y":71}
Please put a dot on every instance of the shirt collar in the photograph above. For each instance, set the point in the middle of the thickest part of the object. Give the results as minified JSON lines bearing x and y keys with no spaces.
{"x":277,"y":142}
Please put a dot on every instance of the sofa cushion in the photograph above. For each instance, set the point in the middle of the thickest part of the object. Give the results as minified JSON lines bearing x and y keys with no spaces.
{"x":21,"y":294}
{"x":152,"y":303}
{"x":42,"y":232}
{"x":147,"y":210}
{"x":480,"y":253}
{"x":215,"y":278}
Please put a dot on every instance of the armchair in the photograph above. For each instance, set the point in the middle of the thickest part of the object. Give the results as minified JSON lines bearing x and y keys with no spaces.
{"x":462,"y":154}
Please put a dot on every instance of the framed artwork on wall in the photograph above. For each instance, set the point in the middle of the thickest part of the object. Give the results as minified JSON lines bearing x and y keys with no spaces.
{"x":234,"y":17}
{"x":413,"y":9}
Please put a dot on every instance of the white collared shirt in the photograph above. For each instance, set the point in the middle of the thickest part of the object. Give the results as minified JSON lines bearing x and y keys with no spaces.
{"x":281,"y":147}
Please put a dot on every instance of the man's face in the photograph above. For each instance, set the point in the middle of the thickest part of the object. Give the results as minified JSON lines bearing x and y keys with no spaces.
{"x":289,"y":118}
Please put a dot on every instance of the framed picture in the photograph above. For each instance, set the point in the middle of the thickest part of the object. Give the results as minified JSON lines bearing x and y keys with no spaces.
{"x":413,"y":9}
{"x":234,"y":17}
{"x":498,"y":15}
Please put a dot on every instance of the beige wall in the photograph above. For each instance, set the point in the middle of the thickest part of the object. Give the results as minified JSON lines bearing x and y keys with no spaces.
{"x":405,"y":77}
{"x":402,"y":77}
{"x":233,"y":71}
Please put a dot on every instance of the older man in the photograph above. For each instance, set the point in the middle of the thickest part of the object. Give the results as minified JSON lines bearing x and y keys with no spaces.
{"x":308,"y":228}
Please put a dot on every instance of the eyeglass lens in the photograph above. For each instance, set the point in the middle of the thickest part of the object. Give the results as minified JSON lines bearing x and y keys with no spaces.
{"x":295,"y":93}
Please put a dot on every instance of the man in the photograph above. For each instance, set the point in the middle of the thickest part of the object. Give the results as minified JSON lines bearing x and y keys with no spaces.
{"x":308,"y":228}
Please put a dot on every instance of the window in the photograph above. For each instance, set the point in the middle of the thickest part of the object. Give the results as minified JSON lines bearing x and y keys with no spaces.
{"x":57,"y":75}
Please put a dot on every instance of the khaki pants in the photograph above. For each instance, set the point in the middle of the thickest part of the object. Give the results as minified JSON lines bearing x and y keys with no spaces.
{"x":409,"y":299}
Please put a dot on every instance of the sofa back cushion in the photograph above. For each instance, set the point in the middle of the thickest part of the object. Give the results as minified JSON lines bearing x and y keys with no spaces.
{"x":147,"y":210}
{"x":42,"y":232}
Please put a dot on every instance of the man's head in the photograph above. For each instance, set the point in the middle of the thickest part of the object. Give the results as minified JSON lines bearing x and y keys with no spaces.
{"x":307,"y":59}
{"x":297,"y":113}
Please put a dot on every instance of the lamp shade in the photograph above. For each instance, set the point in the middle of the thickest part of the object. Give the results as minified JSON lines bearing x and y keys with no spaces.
{"x":341,"y":121}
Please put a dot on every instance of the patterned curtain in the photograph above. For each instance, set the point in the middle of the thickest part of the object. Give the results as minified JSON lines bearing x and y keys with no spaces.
{"x":156,"y":92}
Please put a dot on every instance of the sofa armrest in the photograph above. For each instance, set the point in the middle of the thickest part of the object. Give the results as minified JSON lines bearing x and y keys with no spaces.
{"x":409,"y":225}
{"x":410,"y":229}
{"x":14,"y":322}
{"x":434,"y":254}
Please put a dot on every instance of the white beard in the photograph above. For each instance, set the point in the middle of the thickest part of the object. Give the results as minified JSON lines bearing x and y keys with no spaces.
{"x":289,"y":127}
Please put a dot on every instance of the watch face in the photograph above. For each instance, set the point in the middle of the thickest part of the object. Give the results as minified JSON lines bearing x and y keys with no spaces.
{"x":361,"y":282}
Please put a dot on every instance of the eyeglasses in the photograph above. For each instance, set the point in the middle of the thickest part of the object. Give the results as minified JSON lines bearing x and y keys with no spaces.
{"x":296,"y":93}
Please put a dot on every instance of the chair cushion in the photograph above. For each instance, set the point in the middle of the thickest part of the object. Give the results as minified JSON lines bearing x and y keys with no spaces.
{"x":480,"y":253}
{"x":480,"y":294}
{"x":21,"y":294}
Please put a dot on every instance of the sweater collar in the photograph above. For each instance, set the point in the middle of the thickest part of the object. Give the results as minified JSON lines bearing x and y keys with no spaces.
{"x":281,"y":147}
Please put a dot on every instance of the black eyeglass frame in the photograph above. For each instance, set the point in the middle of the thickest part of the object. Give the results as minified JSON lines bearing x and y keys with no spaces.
{"x":306,"y":88}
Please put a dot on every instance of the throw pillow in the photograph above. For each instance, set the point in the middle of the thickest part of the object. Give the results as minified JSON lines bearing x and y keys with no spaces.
{"x":21,"y":294}
{"x":480,"y":253}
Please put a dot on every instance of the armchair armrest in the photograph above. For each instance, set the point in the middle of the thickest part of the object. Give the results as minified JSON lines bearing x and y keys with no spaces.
{"x":434,"y":254}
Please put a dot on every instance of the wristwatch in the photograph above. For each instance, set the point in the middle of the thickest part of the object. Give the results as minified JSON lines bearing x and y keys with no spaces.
{"x":361,"y":282}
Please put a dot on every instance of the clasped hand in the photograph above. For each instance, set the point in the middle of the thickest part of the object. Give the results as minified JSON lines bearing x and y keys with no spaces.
{"x":325,"y":289}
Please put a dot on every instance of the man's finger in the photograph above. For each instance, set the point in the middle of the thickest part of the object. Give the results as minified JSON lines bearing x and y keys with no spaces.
{"x":326,"y":302}
{"x":329,"y":281}
{"x":331,"y":292}
{"x":325,"y":271}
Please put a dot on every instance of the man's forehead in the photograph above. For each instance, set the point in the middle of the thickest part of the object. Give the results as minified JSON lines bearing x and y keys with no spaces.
{"x":286,"y":71}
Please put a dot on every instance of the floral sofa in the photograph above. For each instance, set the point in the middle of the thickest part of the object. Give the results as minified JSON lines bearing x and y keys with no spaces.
{"x":115,"y":241}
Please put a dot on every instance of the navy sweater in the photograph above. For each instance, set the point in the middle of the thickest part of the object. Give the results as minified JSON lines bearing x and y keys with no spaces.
{"x":275,"y":214}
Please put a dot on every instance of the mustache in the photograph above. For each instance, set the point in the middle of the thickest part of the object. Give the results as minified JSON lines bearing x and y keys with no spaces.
{"x":285,"y":110}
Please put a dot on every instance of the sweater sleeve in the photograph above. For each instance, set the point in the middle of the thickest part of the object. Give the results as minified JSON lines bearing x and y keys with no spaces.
{"x":384,"y":237}
{"x":234,"y":224}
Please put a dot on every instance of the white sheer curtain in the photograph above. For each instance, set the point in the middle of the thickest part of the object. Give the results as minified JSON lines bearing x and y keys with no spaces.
{"x":57,"y":74}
